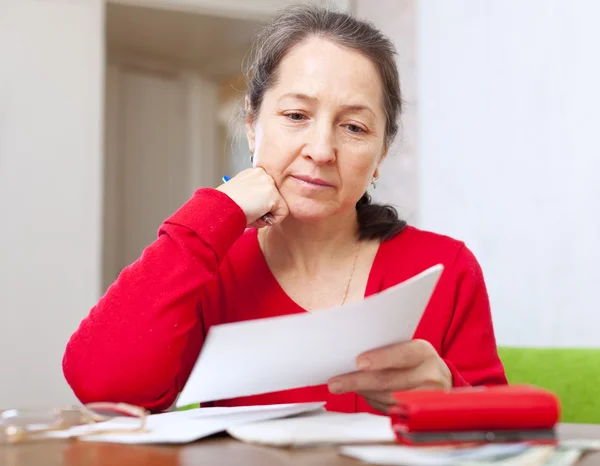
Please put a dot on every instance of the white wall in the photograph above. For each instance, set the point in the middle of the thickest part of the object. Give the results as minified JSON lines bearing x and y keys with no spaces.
{"x":510,"y":160}
{"x":397,"y":184}
{"x":50,"y":186}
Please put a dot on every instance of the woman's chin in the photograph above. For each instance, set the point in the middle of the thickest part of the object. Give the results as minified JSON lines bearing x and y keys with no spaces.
{"x":310,"y":210}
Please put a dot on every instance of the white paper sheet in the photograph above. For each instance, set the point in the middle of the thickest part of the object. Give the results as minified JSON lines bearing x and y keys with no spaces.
{"x":414,"y":456}
{"x":185,"y":426}
{"x":279,"y":353}
{"x":322,"y":428}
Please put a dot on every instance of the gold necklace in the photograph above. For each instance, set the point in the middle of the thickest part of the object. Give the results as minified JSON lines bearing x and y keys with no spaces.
{"x":351,"y":274}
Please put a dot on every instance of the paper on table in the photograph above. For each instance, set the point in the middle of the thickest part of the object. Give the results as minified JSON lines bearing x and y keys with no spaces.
{"x":279,"y":353}
{"x":317,"y":429}
{"x":401,"y":455}
{"x":185,"y":426}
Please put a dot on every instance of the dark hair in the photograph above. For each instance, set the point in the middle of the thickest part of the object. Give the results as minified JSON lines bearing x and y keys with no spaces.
{"x":299,"y":22}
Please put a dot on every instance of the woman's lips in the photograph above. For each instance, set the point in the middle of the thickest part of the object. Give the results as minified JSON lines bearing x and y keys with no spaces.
{"x":312,"y":182}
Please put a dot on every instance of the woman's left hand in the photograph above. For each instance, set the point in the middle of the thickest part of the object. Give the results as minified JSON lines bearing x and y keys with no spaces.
{"x":410,"y":365}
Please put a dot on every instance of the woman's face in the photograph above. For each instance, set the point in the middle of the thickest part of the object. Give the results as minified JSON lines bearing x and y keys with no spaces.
{"x":320,"y":132}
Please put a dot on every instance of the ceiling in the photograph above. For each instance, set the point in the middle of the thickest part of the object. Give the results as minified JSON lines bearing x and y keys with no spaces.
{"x":215,"y":45}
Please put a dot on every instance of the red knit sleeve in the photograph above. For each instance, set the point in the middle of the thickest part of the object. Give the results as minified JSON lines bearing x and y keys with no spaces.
{"x":139,"y":343}
{"x":469,"y":348}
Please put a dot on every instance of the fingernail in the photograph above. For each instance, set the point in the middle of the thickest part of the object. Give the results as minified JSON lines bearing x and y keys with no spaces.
{"x":363,"y":363}
{"x":335,"y":387}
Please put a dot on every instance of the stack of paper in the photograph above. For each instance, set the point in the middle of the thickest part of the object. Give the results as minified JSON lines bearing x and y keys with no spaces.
{"x":487,"y":454}
{"x":566,"y":453}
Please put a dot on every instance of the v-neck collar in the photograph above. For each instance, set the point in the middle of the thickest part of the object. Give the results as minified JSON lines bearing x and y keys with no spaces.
{"x":373,"y":280}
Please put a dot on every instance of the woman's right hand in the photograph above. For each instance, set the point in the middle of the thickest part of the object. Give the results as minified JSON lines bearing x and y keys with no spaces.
{"x":256,"y":193}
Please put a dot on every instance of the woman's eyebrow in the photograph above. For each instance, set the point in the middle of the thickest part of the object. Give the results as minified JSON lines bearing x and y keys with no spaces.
{"x":359,"y":107}
{"x":310,"y":98}
{"x":299,"y":96}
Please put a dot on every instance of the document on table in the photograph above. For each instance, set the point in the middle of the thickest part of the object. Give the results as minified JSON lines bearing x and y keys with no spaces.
{"x":501,"y":454}
{"x":317,"y":428}
{"x":293,"y":351}
{"x":182,"y":426}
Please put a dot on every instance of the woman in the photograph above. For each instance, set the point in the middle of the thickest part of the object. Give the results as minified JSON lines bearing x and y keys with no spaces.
{"x":321,"y":112}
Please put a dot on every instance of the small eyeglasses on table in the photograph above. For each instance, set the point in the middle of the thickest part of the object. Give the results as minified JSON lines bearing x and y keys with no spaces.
{"x":20,"y":425}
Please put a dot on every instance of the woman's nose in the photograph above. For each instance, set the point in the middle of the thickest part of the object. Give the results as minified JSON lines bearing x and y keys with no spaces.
{"x":321,"y":147}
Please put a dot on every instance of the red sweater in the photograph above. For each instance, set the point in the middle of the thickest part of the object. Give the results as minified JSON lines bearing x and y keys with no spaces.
{"x":139,"y":343}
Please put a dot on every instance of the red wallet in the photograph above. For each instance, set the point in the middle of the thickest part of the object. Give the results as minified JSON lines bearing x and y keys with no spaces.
{"x":475,"y":414}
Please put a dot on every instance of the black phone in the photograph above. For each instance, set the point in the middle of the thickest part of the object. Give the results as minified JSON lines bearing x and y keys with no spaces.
{"x":492,"y":436}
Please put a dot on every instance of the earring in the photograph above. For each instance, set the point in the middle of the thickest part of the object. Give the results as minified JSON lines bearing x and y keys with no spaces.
{"x":374,"y":182}
{"x":251,"y":158}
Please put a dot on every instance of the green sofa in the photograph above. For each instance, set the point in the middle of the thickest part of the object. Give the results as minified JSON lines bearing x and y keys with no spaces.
{"x":572,"y":373}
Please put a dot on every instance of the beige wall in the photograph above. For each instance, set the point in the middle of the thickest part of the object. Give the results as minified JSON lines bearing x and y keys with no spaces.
{"x":259,"y":9}
{"x":159,"y":117}
{"x":50,"y":189}
{"x":232,"y":147}
{"x":399,"y":175}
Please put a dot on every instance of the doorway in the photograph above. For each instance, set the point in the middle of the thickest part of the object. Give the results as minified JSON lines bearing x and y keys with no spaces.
{"x":173,"y":88}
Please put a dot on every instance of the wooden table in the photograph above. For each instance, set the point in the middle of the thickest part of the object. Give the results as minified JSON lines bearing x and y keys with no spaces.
{"x":220,"y":450}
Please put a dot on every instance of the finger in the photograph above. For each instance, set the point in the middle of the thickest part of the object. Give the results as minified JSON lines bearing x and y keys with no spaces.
{"x":258,"y":224}
{"x":381,"y":398}
{"x":279,"y":212}
{"x":427,"y":385}
{"x":379,"y":406}
{"x":374,"y":381}
{"x":400,"y":355}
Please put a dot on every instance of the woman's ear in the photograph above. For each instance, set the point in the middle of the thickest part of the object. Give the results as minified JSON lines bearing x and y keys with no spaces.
{"x":250,"y":134}
{"x":375,"y":176}
{"x":381,"y":159}
{"x":383,"y":155}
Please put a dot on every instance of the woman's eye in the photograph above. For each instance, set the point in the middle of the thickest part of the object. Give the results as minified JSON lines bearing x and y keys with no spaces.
{"x":295,"y":116}
{"x":354,"y":128}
